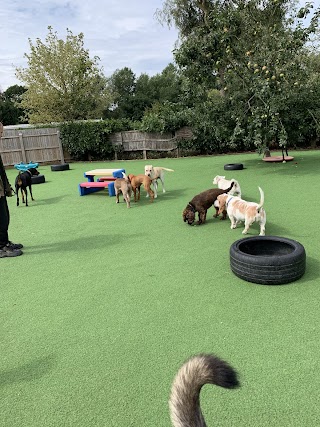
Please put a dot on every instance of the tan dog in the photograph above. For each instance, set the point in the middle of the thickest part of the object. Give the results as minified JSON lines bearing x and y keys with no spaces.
{"x":240,"y":210}
{"x":137,"y":181}
{"x":123,"y":185}
{"x":155,"y":173}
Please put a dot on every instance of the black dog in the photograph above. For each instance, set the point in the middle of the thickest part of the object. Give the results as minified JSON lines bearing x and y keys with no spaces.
{"x":23,"y":180}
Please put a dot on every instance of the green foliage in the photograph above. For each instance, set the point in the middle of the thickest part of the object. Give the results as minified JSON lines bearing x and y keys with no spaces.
{"x":165,"y":117}
{"x":63,"y":83}
{"x":132,"y":96}
{"x":255,"y":55}
{"x":89,"y":140}
{"x":10,"y":113}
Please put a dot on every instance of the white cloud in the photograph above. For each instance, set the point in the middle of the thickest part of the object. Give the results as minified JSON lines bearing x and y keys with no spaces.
{"x":123,"y":33}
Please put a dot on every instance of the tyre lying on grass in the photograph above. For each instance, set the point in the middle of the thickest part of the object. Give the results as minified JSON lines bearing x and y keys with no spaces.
{"x":38,"y":179}
{"x":268,"y":260}
{"x":233,"y":166}
{"x":62,"y":167}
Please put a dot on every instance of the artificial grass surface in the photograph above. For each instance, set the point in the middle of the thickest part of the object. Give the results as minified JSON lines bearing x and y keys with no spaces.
{"x":107,"y":302}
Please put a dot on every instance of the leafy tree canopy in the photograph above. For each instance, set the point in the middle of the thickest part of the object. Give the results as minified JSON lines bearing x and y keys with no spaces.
{"x":247,"y":60}
{"x":132,"y":95}
{"x":10,"y":113}
{"x":63,"y":83}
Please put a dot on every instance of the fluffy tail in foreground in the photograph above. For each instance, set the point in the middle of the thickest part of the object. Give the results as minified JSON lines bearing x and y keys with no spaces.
{"x":184,"y":401}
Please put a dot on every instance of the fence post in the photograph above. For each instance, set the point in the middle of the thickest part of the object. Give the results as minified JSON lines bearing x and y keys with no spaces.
{"x":60,"y":147}
{"x":144,"y":148}
{"x":23,"y":151}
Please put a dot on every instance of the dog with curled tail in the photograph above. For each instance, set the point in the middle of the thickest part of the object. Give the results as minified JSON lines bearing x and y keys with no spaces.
{"x":241,"y":210}
{"x":184,"y":402}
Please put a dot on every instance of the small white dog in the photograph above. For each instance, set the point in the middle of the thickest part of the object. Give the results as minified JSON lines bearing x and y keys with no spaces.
{"x":156,"y":173}
{"x":223,"y":183}
{"x":240,"y":210}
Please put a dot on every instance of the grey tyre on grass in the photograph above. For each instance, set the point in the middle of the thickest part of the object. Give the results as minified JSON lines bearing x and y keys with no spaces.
{"x":268,"y":260}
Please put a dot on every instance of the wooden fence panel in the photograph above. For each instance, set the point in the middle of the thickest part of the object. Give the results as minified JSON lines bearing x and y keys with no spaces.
{"x":31,"y":145}
{"x":144,"y":141}
{"x":43,"y":145}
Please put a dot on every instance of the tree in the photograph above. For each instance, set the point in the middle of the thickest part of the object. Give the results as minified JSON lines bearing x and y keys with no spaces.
{"x":63,"y":83}
{"x":132,"y":96}
{"x":166,"y":86}
{"x":10,"y":113}
{"x":122,"y":86}
{"x":245,"y":64}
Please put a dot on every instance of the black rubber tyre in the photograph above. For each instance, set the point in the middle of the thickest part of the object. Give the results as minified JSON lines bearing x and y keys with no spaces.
{"x":268,"y":260}
{"x":63,"y":167}
{"x":38,"y":179}
{"x":233,"y":166}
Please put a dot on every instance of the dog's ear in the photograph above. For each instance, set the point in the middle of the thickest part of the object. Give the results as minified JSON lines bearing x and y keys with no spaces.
{"x":188,"y":216}
{"x":184,"y":215}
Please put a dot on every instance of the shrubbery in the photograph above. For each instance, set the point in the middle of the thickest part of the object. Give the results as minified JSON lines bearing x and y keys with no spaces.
{"x":88,"y":140}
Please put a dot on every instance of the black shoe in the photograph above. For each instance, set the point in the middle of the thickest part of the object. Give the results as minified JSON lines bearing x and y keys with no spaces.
{"x":7,"y":251}
{"x":14,"y":246}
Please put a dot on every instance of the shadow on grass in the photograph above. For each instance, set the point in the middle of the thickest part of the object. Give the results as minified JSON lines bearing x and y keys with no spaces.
{"x":273,"y":229}
{"x":28,"y":372}
{"x":87,"y":243}
{"x":312,"y":270}
{"x":170,"y":194}
{"x":49,"y":200}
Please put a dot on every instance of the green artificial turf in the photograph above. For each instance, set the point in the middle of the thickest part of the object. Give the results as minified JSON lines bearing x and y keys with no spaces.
{"x":107,"y":302}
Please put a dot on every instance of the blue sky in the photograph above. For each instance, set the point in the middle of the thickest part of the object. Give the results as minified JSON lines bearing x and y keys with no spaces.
{"x":123,"y":33}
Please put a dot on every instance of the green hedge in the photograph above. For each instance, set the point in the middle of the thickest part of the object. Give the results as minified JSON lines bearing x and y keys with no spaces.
{"x":89,"y":140}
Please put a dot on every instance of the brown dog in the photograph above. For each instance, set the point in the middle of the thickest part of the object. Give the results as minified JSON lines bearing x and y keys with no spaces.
{"x":201,"y":203}
{"x":123,"y":185}
{"x":137,"y":181}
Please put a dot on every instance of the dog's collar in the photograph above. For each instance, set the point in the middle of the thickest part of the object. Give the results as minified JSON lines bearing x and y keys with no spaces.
{"x":229,"y":201}
{"x":191,"y":206}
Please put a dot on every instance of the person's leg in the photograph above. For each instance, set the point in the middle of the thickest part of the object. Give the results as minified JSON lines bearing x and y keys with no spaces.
{"x":7,"y":248}
{"x":4,"y":221}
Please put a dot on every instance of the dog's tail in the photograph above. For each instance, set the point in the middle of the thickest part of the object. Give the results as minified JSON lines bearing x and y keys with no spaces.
{"x":261,"y":200}
{"x":184,"y":400}
{"x":230,"y":188}
{"x":125,"y":177}
{"x":169,"y":170}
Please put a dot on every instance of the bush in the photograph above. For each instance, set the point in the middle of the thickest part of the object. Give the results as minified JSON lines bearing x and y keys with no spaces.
{"x":89,"y":140}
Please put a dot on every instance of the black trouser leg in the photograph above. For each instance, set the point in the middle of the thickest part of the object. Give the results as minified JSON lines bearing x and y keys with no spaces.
{"x":4,"y":221}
